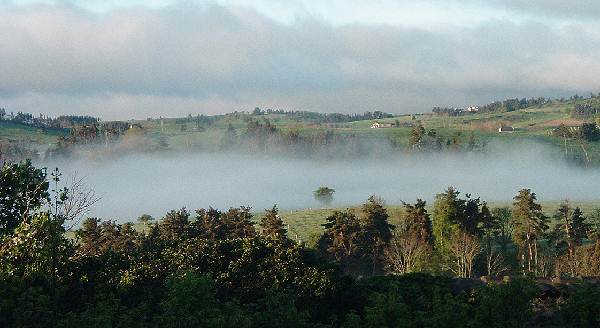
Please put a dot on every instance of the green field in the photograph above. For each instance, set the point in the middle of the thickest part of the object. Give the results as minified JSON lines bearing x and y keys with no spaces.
{"x":18,"y":132}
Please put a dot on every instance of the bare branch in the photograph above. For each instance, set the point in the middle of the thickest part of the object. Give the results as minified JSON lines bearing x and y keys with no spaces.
{"x":79,"y":202}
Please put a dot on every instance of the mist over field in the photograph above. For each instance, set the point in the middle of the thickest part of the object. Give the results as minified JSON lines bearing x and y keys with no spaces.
{"x":136,"y":184}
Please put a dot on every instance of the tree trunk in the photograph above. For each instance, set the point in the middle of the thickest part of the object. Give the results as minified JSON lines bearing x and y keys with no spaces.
{"x":530,"y":253}
{"x":535,"y":247}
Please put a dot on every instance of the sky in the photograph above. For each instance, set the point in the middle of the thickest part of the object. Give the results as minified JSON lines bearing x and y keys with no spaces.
{"x":137,"y":59}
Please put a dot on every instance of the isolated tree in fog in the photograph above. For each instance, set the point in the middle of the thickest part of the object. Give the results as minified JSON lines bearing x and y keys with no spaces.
{"x":272,"y":225}
{"x":529,"y":224}
{"x":324,"y":195}
{"x":145,"y":219}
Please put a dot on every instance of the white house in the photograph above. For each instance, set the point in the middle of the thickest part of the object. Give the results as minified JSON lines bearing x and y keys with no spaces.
{"x":378,"y":125}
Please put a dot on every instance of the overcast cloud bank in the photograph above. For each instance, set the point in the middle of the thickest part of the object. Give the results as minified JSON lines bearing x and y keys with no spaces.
{"x":186,"y":58}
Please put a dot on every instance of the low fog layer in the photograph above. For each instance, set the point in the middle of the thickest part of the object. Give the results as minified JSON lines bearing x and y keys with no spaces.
{"x":134,"y":185}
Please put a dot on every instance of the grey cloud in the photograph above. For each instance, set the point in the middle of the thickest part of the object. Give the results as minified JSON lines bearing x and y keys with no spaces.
{"x":556,"y":8}
{"x":180,"y":59}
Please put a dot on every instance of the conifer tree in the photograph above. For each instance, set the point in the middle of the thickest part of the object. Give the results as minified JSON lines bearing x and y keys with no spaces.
{"x":272,"y":225}
{"x":530,"y":224}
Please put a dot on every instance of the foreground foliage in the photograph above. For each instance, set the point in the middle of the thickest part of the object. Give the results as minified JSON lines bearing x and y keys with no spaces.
{"x":216,"y":269}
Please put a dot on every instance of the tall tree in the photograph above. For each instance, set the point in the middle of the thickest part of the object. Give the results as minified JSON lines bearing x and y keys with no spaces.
{"x":502,"y":216}
{"x":530,"y":224}
{"x":494,"y":260}
{"x":343,"y":242}
{"x":375,"y":229}
{"x":569,"y":232}
{"x":447,"y":210}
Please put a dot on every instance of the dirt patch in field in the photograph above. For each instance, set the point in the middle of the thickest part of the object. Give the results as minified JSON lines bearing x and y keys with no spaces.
{"x":565,"y":121}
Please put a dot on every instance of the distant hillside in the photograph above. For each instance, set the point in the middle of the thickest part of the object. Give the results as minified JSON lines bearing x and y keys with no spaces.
{"x":535,"y":119}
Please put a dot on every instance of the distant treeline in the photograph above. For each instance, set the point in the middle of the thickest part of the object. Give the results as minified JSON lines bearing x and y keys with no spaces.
{"x":44,"y":121}
{"x":215,"y":268}
{"x":306,"y":116}
{"x":512,"y":104}
{"x":507,"y":105}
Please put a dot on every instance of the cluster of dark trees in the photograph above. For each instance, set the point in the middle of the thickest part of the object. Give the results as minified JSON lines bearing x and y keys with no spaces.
{"x":586,"y":110}
{"x":262,"y":136}
{"x":217,"y":268}
{"x":200,"y":122}
{"x":507,"y":105}
{"x":44,"y":121}
{"x":586,"y":132}
{"x":580,"y":137}
{"x":15,"y":150}
{"x":113,"y":136}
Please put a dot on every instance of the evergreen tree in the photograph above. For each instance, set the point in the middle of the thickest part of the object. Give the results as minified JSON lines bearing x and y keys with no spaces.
{"x":529,"y":224}
{"x":570,"y":230}
{"x":446,"y":215}
{"x":239,"y":222}
{"x":417,"y":219}
{"x":88,"y":236}
{"x":502,"y":218}
{"x":343,"y":241}
{"x":216,"y":225}
{"x":375,"y":229}
{"x":174,"y":225}
{"x":272,"y":225}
